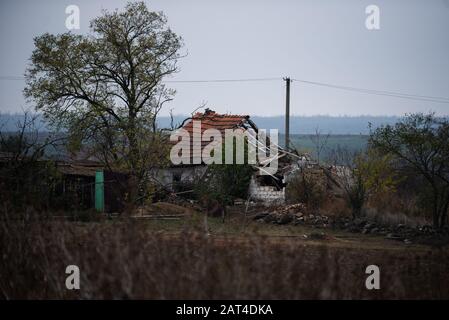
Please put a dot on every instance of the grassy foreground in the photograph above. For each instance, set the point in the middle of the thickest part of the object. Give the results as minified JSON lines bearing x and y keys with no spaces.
{"x":176,"y":259}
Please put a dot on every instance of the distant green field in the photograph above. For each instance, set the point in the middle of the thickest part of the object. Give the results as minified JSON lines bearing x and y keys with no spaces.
{"x":303,"y":142}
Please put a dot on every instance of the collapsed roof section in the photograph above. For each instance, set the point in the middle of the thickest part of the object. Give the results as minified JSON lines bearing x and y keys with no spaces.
{"x":222,"y":122}
{"x":212,"y":120}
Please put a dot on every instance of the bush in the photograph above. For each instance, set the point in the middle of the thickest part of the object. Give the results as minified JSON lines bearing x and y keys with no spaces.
{"x":308,"y":187}
{"x":418,"y":144}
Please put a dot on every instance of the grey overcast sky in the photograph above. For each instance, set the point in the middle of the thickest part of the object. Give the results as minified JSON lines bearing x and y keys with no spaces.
{"x":316,"y":40}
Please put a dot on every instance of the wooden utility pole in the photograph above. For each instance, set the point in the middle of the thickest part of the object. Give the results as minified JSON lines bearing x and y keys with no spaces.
{"x":287,"y":112}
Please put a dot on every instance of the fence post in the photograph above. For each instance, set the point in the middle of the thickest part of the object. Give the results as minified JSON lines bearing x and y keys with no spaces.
{"x":99,"y":191}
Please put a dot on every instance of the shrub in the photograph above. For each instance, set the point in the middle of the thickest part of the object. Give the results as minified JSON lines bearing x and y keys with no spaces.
{"x":307,"y":186}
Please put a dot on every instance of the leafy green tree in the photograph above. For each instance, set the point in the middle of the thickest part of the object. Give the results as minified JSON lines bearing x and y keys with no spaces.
{"x":222,"y":183}
{"x":377,"y":172}
{"x":106,"y":88}
{"x":420,"y":144}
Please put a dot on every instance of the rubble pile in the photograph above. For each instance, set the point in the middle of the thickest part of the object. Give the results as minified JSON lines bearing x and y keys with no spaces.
{"x":292,"y":214}
{"x":296,"y":214}
{"x":399,"y":232}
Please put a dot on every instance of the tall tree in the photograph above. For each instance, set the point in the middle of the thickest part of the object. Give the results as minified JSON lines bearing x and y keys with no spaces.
{"x":105,"y":88}
{"x":420,"y":144}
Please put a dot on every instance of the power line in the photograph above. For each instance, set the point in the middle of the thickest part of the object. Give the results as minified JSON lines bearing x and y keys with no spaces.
{"x":223,"y":80}
{"x":379,"y":92}
{"x":370,"y":90}
{"x":359,"y":90}
{"x":180,"y":81}
{"x":394,"y":94}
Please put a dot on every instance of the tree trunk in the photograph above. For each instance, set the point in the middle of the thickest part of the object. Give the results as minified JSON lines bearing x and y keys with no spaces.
{"x":133,"y":156}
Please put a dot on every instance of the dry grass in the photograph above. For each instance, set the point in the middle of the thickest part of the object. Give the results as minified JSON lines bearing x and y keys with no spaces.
{"x":126,"y":259}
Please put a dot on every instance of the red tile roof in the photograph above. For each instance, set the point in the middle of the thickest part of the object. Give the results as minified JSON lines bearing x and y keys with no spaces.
{"x":210,"y":119}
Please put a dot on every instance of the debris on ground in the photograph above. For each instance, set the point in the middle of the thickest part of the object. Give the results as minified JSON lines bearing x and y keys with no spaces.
{"x":296,"y":214}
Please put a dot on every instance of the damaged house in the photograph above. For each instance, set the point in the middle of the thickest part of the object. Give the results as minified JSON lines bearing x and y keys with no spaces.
{"x":264,"y":186}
